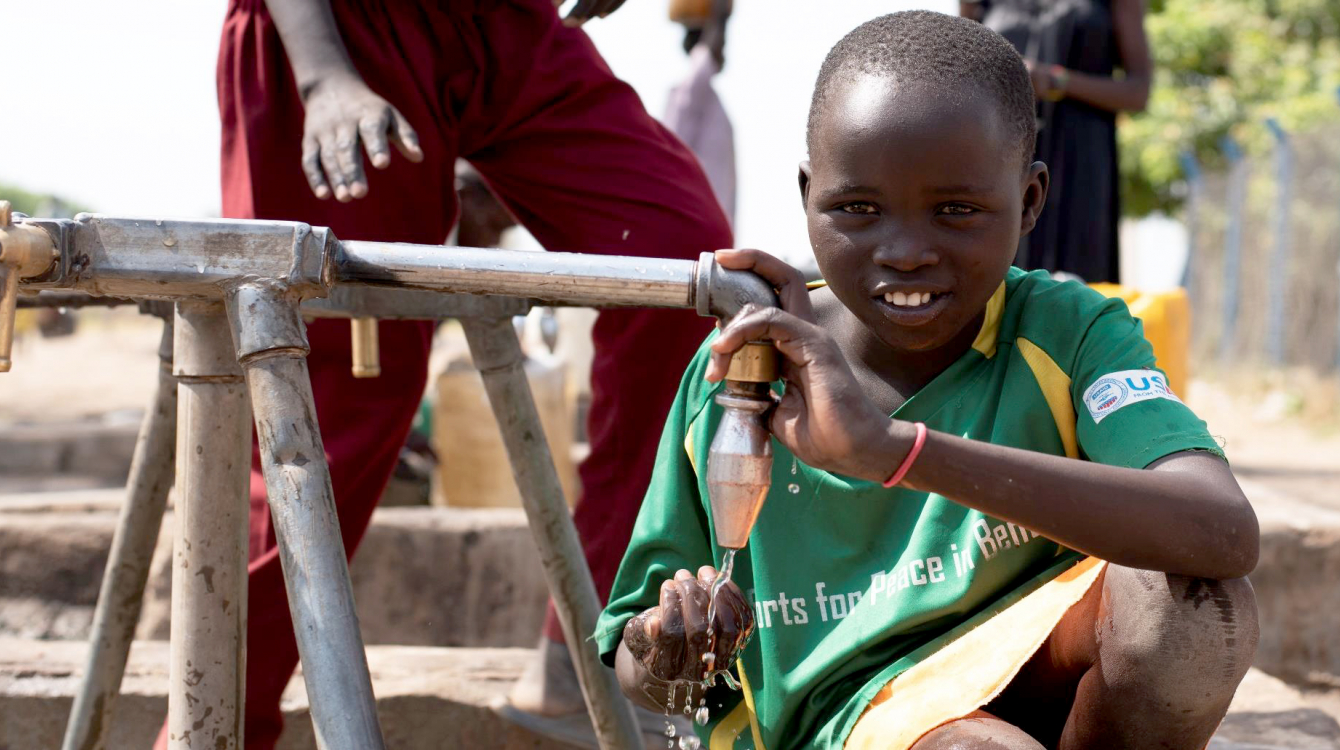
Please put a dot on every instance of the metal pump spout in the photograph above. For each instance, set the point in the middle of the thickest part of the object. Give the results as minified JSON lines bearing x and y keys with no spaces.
{"x":25,"y":251}
{"x":739,"y":463}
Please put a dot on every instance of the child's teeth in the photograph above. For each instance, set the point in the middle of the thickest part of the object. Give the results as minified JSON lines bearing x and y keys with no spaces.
{"x":903,"y":299}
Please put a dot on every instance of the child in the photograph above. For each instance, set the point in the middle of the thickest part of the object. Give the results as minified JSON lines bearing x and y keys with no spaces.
{"x":970,"y":605}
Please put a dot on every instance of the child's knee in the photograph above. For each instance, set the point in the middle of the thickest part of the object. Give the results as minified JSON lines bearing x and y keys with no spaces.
{"x":1177,"y":634}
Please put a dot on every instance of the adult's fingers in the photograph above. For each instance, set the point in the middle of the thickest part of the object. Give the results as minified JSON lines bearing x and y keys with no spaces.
{"x":788,"y":282}
{"x":311,"y":167}
{"x":372,"y":129}
{"x":350,"y":160}
{"x":331,"y":165}
{"x":581,"y":12}
{"x":404,"y":137}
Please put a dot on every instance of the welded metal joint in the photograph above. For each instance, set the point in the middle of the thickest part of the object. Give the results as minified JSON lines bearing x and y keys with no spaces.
{"x":721,"y":293}
{"x":264,"y":317}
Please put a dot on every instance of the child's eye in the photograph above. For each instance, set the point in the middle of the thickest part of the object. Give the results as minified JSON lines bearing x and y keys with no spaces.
{"x":858,"y":207}
{"x":957,"y":209}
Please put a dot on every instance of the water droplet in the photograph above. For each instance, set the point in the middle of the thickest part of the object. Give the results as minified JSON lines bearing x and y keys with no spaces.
{"x":669,"y":729}
{"x":793,"y":466}
{"x":690,"y":742}
{"x":793,"y":488}
{"x":169,"y":242}
{"x":701,"y":716}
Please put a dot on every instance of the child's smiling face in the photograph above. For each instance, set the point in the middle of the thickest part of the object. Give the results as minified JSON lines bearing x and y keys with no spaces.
{"x":916,"y":200}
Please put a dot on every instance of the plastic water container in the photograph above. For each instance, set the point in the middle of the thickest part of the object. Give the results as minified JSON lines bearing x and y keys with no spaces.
{"x":473,"y":469}
{"x":1166,"y":317}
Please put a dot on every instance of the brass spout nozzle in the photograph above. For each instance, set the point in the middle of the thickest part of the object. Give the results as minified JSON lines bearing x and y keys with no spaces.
{"x":739,"y":463}
{"x":366,"y":348}
{"x":24,"y":251}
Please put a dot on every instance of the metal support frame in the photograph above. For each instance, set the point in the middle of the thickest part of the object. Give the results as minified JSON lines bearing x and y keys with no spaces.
{"x":207,"y":671}
{"x":497,"y":355}
{"x":272,"y":348}
{"x":263,"y":271}
{"x":127,"y":570}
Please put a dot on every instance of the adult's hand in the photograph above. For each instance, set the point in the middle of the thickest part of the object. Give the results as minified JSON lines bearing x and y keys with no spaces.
{"x":585,"y":10}
{"x":343,"y":112}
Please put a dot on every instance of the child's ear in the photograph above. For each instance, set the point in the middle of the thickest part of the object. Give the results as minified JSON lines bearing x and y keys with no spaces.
{"x":804,"y":177}
{"x":1036,"y":181}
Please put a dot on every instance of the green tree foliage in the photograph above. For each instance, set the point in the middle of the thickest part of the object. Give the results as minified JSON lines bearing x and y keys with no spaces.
{"x":1222,"y":67}
{"x":38,"y":204}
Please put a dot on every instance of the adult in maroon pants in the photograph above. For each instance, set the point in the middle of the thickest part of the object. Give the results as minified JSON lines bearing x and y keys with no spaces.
{"x":563,"y":143}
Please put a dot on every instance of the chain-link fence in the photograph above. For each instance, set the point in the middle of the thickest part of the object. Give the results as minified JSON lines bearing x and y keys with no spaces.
{"x":1264,"y":271}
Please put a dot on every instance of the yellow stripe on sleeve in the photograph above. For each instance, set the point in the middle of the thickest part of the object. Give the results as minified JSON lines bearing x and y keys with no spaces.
{"x":1055,"y":385}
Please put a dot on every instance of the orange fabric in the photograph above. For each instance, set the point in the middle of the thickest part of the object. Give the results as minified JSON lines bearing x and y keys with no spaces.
{"x":968,"y":672}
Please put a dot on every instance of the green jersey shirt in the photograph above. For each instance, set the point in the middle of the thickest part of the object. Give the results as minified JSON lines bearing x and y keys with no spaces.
{"x":852,"y":583}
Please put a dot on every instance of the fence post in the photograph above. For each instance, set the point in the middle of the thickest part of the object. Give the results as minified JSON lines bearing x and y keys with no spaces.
{"x":1195,"y":186}
{"x":1237,"y":198}
{"x":1279,"y":266}
{"x":1337,"y":276}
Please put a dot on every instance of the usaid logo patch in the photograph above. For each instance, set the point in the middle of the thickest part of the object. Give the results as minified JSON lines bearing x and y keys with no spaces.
{"x":1118,"y":389}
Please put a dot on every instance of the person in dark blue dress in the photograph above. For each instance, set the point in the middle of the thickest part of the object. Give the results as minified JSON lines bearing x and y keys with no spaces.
{"x":1089,"y":60}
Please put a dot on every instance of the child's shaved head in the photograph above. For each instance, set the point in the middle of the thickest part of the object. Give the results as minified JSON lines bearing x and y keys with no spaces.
{"x":947,"y":52}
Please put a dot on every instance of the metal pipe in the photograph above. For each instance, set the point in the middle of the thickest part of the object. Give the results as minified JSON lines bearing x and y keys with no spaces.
{"x":72,"y":300}
{"x":271,"y":346}
{"x":127,"y":569}
{"x":555,"y":278}
{"x":206,"y":693}
{"x":366,"y":351}
{"x":497,"y":354}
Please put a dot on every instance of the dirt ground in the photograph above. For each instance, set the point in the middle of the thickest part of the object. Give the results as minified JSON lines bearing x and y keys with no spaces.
{"x":1281,"y":430}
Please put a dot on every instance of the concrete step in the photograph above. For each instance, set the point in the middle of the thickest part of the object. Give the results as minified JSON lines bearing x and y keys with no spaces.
{"x":93,"y":450}
{"x":467,"y":577}
{"x":427,"y":698}
{"x":439,"y":697}
{"x":423,"y":576}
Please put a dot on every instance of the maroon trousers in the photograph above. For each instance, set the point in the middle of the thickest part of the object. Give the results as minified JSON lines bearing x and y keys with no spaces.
{"x":571,"y":152}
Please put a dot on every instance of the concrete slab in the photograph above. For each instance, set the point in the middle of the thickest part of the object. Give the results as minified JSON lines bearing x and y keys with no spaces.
{"x":427,"y":697}
{"x":1295,"y":587}
{"x":438,"y":697}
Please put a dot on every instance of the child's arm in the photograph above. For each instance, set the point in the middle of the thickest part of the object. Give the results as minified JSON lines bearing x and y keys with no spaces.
{"x":1185,"y":515}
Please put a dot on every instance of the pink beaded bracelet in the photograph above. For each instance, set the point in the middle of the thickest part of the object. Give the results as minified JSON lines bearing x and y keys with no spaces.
{"x":911,"y":456}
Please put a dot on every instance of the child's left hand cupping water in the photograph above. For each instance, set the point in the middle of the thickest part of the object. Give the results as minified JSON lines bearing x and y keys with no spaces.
{"x":669,"y":640}
{"x":824,"y":418}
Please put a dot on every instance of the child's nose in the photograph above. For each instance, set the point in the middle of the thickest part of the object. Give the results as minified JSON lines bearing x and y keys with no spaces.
{"x":905,"y":250}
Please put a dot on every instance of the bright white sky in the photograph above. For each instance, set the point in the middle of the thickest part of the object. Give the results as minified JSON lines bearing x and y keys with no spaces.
{"x":112,"y":104}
